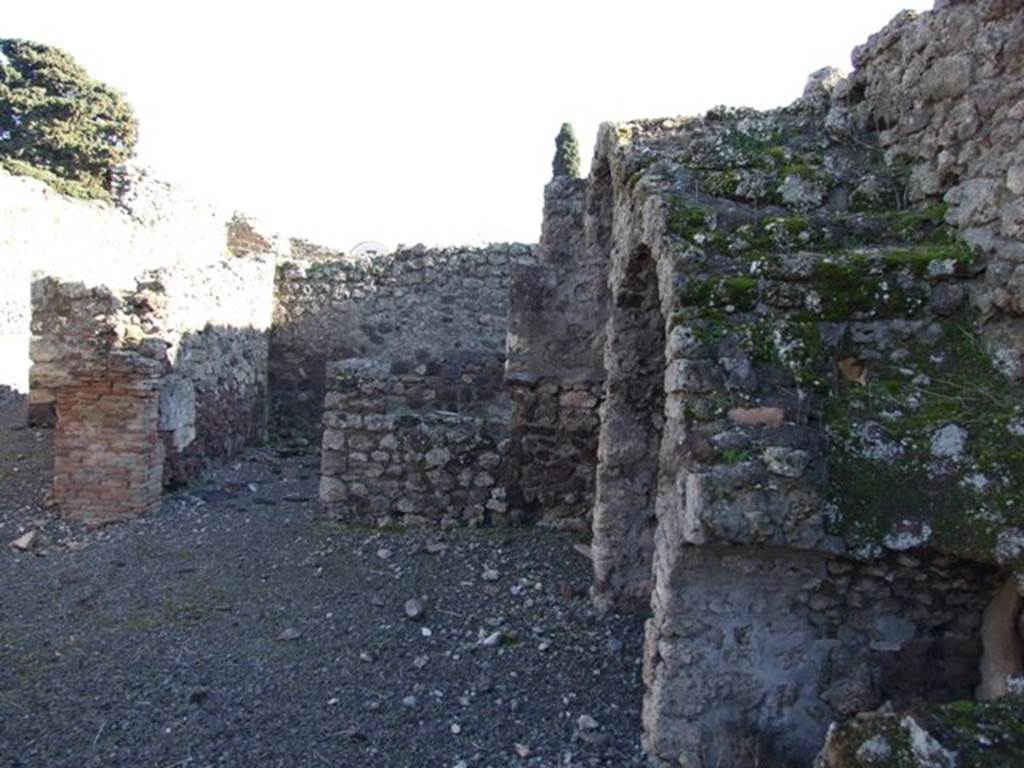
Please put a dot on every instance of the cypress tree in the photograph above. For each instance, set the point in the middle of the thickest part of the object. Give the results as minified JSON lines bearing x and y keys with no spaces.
{"x":567,"y":153}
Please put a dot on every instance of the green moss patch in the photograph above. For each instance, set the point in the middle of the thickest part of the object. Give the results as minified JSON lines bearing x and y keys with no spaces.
{"x":982,"y":734}
{"x":966,"y":502}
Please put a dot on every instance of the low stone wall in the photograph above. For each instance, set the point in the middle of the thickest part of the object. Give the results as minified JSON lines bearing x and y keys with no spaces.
{"x":414,"y":306}
{"x":404,"y":445}
{"x":752,"y":654}
{"x":181,"y":353}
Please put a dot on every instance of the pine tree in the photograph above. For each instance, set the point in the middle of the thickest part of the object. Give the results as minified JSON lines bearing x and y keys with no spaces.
{"x":57,"y":123}
{"x":567,"y":153}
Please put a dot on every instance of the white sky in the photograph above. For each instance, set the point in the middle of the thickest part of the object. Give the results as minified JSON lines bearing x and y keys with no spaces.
{"x":424,"y":121}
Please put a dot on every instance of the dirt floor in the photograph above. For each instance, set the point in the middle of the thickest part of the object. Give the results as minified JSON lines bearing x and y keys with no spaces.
{"x":241,"y":627}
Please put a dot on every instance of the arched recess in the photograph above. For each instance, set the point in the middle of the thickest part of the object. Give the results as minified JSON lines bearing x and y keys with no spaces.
{"x":631,"y":425}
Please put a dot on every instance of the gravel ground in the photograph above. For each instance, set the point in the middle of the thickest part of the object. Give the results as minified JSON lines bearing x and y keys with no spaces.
{"x":239,"y":627}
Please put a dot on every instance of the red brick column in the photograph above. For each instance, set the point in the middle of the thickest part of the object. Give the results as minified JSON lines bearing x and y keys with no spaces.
{"x":108,"y":458}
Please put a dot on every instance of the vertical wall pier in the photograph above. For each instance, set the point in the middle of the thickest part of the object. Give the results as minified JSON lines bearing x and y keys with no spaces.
{"x":108,"y":457}
{"x":631,"y":425}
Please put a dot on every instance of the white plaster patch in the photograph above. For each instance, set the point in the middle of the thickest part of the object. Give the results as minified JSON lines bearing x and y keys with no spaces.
{"x":908,"y":534}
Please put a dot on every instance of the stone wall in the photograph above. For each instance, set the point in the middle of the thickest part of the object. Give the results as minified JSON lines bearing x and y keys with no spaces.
{"x":412,"y":307}
{"x":757,"y":651}
{"x":98,"y":244}
{"x":944,"y":92}
{"x":15,"y":317}
{"x":201,"y":330}
{"x":415,"y":445}
{"x":555,"y":367}
{"x":811,"y":392}
{"x":416,"y":412}
{"x":174,"y":338}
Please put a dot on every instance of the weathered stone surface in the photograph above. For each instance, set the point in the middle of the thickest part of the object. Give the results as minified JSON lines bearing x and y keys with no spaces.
{"x":197,"y":330}
{"x":397,"y":448}
{"x":412,"y":308}
{"x":555,"y":371}
{"x":947,"y":88}
{"x":784,"y":343}
{"x":150,"y":224}
{"x":933,"y":736}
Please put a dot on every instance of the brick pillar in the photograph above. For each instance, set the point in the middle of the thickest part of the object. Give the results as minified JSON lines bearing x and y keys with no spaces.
{"x":108,"y":458}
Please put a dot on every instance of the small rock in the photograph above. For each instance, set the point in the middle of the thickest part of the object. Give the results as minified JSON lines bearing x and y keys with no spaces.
{"x":434,"y":547}
{"x":410,"y":702}
{"x":583,"y":549}
{"x":948,"y":442}
{"x":939,"y":268}
{"x":925,"y":748}
{"x":586,"y":723}
{"x":456,"y":729}
{"x":522,"y":750}
{"x":853,"y":370}
{"x":908,"y":534}
{"x":290,"y":633}
{"x":414,"y":608}
{"x":614,"y":645}
{"x":490,"y":575}
{"x":377,"y":600}
{"x":800,"y":193}
{"x":492,"y":640}
{"x":786,"y":462}
{"x":484,"y":685}
{"x":420,"y":661}
{"x":947,"y":298}
{"x":28,"y":541}
{"x":384,"y":553}
{"x":757,"y":417}
{"x":198,"y":696}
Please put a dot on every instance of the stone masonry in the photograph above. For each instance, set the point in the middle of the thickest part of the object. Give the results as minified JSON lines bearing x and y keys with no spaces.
{"x":412,"y":307}
{"x":180,"y":353}
{"x":555,"y":366}
{"x":772,"y":361}
{"x":395,"y":448}
{"x":417,"y":428}
{"x":810,"y":391}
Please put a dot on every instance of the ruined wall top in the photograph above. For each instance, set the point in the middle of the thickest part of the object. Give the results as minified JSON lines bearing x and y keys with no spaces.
{"x":833,"y":275}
